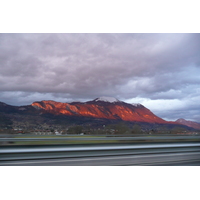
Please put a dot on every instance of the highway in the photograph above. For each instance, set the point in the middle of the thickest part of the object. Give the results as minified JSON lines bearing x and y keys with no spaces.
{"x":141,"y":160}
{"x":155,"y":154}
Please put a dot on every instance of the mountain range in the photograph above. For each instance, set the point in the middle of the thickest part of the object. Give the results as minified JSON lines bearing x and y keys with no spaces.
{"x":192,"y":124}
{"x":100,"y":110}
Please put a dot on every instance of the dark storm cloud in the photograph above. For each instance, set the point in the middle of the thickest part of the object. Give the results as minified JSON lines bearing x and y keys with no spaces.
{"x":69,"y":67}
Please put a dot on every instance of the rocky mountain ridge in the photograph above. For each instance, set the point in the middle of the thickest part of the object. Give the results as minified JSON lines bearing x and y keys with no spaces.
{"x":188,"y":123}
{"x":101,"y":109}
{"x":97,"y":112}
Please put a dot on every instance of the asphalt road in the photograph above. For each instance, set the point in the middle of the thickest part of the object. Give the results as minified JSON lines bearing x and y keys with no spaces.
{"x":156,"y":159}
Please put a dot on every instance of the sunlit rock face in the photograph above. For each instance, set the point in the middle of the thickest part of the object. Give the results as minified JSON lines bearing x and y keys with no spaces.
{"x":103,"y":107}
{"x":188,"y":123}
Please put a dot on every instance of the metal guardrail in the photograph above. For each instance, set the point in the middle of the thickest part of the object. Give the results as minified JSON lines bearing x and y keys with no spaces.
{"x":140,"y":149}
{"x":96,"y":148}
{"x":101,"y":155}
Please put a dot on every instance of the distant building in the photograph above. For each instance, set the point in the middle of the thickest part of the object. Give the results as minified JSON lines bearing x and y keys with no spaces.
{"x":58,"y":133}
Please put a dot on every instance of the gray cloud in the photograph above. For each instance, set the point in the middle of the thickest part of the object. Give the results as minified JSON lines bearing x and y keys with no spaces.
{"x":67,"y":67}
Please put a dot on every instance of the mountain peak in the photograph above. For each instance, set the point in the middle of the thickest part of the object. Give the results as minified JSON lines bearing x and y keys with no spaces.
{"x":181,"y":120}
{"x":107,"y":99}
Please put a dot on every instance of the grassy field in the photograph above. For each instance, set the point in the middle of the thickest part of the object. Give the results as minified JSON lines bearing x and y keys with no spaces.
{"x":82,"y":139}
{"x":61,"y":141}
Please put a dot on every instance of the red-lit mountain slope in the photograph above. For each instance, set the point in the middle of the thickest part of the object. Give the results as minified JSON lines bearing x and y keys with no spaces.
{"x":104,"y":107}
{"x":192,"y":124}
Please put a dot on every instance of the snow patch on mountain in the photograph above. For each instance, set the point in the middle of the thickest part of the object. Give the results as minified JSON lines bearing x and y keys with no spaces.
{"x":107,"y":99}
{"x":136,"y":104}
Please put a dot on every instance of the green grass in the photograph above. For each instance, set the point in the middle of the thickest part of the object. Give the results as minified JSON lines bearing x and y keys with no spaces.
{"x":60,"y":141}
{"x":63,"y":142}
{"x":56,"y":136}
{"x":71,"y":141}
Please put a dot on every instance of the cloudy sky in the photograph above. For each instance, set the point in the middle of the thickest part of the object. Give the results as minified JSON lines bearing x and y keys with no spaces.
{"x":160,"y":71}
